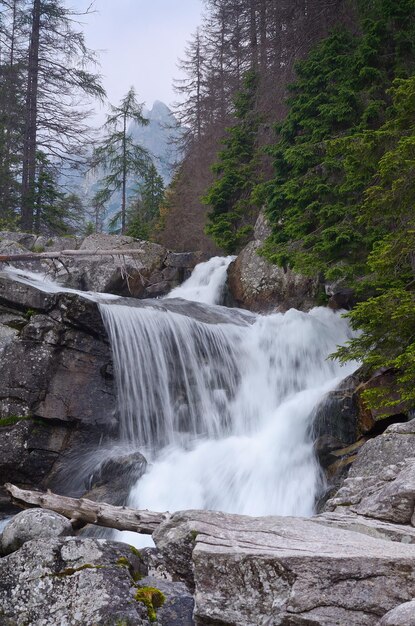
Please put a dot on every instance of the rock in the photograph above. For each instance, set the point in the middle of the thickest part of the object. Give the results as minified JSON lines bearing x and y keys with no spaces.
{"x":403,"y":615}
{"x":30,"y":448}
{"x":262,"y":229}
{"x":257,"y":285}
{"x":178,"y":605}
{"x":112,"y":480}
{"x":285,"y":571}
{"x":33,"y":524}
{"x":389,"y":495}
{"x":386,"y":381}
{"x":55,"y":244}
{"x":183,"y":260}
{"x":24,"y":297}
{"x":121,"y":275}
{"x":75,"y":582}
{"x":336,"y":417}
{"x":347,"y":520}
{"x":396,"y":444}
{"x":25,"y":240}
{"x":64,"y":377}
{"x":342,"y":299}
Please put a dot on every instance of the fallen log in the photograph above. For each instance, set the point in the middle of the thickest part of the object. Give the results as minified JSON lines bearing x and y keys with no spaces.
{"x":39,"y":256}
{"x":81,"y":511}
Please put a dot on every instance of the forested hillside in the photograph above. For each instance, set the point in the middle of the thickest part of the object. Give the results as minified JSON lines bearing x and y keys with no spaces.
{"x":306,"y":109}
{"x":236,"y":37}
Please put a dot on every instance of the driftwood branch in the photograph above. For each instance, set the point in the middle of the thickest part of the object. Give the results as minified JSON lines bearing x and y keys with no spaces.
{"x":39,"y":256}
{"x":82,"y":511}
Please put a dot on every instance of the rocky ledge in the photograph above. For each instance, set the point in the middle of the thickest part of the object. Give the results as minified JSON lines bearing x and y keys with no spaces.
{"x":354,"y":564}
{"x":152,"y":271}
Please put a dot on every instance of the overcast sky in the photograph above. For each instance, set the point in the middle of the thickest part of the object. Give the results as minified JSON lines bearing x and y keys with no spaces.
{"x":140,"y":42}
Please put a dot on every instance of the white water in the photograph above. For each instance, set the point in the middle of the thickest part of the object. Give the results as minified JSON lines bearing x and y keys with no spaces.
{"x":42,"y":282}
{"x":222,"y":411}
{"x":206,"y":283}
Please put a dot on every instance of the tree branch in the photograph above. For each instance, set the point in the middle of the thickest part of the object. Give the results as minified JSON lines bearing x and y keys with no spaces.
{"x":82,"y":511}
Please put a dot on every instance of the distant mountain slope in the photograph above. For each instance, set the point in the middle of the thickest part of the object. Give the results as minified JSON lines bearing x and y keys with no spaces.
{"x":159,"y":137}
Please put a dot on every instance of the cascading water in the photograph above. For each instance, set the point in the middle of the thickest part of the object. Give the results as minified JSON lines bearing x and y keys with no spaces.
{"x":207,"y":282}
{"x":222,"y":410}
{"x":219,"y":400}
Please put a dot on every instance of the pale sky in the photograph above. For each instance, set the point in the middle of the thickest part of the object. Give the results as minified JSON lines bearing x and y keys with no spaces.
{"x":140,"y":42}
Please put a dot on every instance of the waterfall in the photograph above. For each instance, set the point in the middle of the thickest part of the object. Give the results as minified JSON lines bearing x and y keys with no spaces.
{"x":222,"y":410}
{"x":218,"y":400}
{"x":207,"y":282}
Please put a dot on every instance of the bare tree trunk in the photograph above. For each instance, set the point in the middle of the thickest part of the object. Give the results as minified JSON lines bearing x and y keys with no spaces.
{"x":82,"y":511}
{"x":124,"y":176}
{"x":39,"y":256}
{"x":29,"y":148}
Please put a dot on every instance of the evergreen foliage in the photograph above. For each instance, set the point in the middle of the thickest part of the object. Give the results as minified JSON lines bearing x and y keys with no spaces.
{"x":119,"y":155}
{"x":342,"y":199}
{"x":230,"y":221}
{"x":144,"y":209}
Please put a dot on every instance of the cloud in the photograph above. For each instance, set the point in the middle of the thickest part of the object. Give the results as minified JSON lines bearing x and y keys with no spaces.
{"x":141,"y":41}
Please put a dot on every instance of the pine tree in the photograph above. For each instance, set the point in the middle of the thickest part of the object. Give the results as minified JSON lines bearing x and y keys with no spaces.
{"x":144,"y":209}
{"x":231,"y":217}
{"x":119,"y":155}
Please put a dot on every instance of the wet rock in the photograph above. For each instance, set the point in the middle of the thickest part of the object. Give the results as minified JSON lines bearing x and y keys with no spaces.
{"x":291,"y":570}
{"x":76,"y":582}
{"x":403,"y":615}
{"x":112,"y":480}
{"x":62,"y":376}
{"x":336,"y":417}
{"x":342,"y":299}
{"x":29,"y":449}
{"x":24,"y":297}
{"x":33,"y":524}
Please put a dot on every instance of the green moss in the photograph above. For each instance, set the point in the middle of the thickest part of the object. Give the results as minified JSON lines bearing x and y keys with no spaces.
{"x":38,"y":249}
{"x":152,"y":599}
{"x":70,"y":571}
{"x":135,"y":551}
{"x":29,"y":313}
{"x":11,"y":420}
{"x":193,"y":534}
{"x":123,"y":562}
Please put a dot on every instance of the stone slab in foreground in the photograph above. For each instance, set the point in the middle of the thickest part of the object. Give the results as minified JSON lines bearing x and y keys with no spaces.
{"x":276,"y":571}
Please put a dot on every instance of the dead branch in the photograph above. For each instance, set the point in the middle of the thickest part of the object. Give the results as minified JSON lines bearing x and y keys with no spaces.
{"x":82,"y":511}
{"x":39,"y":256}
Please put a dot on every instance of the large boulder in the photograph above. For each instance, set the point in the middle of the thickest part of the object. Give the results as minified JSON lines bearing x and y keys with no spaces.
{"x":33,"y":524}
{"x":260,"y":286}
{"x":403,"y":615}
{"x":257,"y":285}
{"x":381,"y":481}
{"x":71,"y":581}
{"x":285,"y":571}
{"x":151,"y":272}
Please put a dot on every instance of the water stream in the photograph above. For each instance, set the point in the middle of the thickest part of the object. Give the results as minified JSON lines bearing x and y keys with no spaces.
{"x":222,"y":410}
{"x":220,"y":401}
